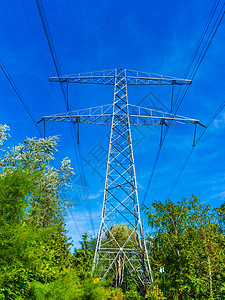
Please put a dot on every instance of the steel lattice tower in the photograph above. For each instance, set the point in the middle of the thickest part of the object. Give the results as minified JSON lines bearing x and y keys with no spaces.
{"x":120,"y":203}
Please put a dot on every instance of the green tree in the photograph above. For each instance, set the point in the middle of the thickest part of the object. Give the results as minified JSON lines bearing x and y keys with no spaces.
{"x":48,"y":203}
{"x":221,"y":217}
{"x":83,"y":256}
{"x":122,"y":236}
{"x":16,"y":187}
{"x":188,"y":242}
{"x":33,"y":242}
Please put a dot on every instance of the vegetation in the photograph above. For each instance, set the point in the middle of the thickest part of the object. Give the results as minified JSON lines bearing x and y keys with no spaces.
{"x":35,"y":259}
{"x":188,"y":241}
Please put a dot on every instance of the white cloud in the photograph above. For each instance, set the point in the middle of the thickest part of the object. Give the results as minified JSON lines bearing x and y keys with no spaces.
{"x":96,"y":195}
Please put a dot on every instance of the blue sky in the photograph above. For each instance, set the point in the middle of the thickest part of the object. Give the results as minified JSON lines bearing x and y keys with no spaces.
{"x":151,"y":36}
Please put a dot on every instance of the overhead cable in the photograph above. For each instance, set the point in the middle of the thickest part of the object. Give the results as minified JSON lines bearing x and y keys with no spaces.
{"x":194,"y":145}
{"x":200,"y":41}
{"x":64,"y":89}
{"x":202,"y":54}
{"x":179,"y":101}
{"x":16,"y":90}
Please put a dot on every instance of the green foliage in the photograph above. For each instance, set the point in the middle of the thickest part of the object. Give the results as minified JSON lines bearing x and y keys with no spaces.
{"x":154,"y":293}
{"x":121,"y":233}
{"x":83,"y":257}
{"x":48,"y":203}
{"x":69,"y":286}
{"x":15,"y":189}
{"x":32,"y":247}
{"x":188,"y":237}
{"x":29,"y":254}
{"x":188,"y":242}
{"x":221,"y":217}
{"x":66,"y":287}
{"x":117,"y":236}
{"x":132,"y":293}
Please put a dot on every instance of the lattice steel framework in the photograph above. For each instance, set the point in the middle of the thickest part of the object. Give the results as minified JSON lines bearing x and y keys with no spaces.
{"x":114,"y":254}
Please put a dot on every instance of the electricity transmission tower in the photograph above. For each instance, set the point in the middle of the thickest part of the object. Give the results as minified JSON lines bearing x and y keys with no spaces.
{"x":114,"y":254}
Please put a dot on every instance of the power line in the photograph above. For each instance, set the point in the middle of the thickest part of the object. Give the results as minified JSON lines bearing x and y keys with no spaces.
{"x":34,"y":36}
{"x":16,"y":90}
{"x":42,"y":59}
{"x":195,"y":69}
{"x":194,"y":55}
{"x":152,"y":173}
{"x":64,"y":89}
{"x":211,"y":35}
{"x":194,"y":145}
{"x":51,"y":46}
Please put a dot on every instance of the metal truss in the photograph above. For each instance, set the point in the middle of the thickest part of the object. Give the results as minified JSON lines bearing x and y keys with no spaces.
{"x":114,"y":255}
{"x":102,"y":115}
{"x":108,"y":77}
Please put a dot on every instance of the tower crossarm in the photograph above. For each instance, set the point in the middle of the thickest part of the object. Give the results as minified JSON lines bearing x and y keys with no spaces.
{"x":107,"y":77}
{"x":102,"y":115}
{"x":147,"y":116}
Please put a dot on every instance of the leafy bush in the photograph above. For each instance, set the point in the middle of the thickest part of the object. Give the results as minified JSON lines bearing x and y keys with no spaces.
{"x":69,"y":286}
{"x":154,"y":293}
{"x":66,"y":287}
